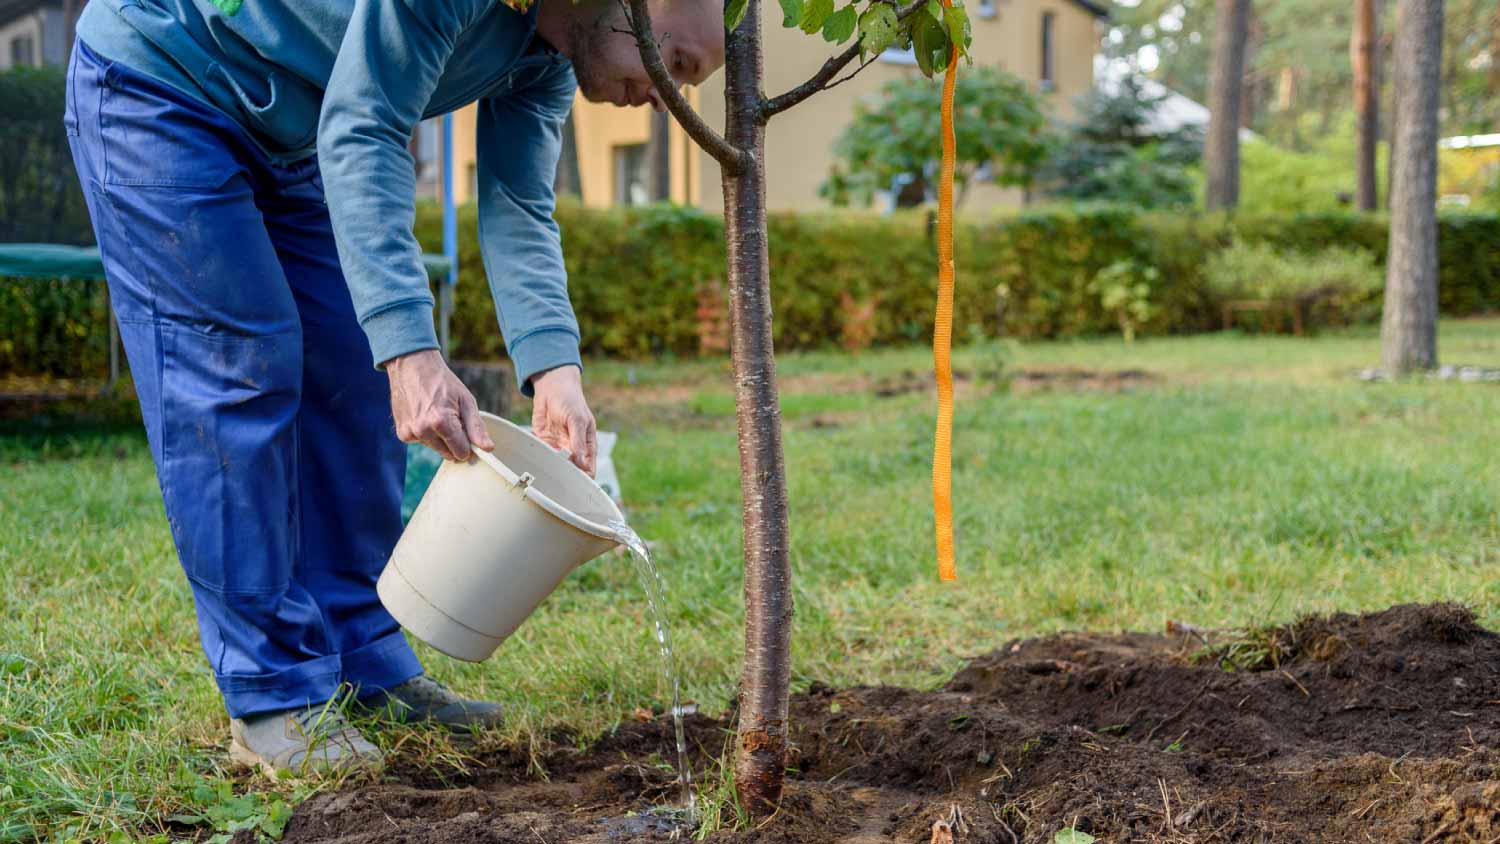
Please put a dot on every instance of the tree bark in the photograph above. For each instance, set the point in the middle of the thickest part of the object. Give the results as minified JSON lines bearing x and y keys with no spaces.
{"x":567,"y":181}
{"x":1408,"y":329}
{"x":764,"y":687}
{"x":1221,"y":152}
{"x":659,"y":157}
{"x":1364,"y":55}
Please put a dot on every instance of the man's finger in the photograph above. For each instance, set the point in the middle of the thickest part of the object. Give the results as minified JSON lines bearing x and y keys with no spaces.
{"x":438,"y":446}
{"x":452,"y":434}
{"x":593,"y":449}
{"x":578,"y":442}
{"x":479,"y":436}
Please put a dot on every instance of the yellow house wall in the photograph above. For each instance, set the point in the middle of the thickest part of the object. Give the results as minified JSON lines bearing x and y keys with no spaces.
{"x":597,"y":130}
{"x":799,"y":142}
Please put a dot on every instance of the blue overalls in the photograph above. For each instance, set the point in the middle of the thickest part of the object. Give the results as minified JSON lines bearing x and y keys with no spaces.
{"x":250,"y":344}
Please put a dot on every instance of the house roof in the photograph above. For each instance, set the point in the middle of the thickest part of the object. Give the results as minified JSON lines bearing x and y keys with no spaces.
{"x":11,"y":10}
{"x":1098,"y":10}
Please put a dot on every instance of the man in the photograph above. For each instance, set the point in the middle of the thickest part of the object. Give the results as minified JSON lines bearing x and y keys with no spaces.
{"x":246,"y":168}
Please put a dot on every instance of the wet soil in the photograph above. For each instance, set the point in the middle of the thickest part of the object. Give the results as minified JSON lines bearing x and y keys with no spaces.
{"x":1372,"y":728}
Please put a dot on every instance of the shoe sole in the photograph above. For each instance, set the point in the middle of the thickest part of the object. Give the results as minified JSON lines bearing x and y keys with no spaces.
{"x":242,"y":755}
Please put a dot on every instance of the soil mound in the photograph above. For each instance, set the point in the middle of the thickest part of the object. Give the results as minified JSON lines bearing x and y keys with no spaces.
{"x":1349,"y":728}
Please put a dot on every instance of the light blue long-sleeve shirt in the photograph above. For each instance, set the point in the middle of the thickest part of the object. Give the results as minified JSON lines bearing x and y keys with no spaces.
{"x":348,"y":80}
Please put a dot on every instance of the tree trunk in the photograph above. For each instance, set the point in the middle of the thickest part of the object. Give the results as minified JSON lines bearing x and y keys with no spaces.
{"x":1364,"y":55}
{"x":1408,"y":329}
{"x":659,"y":157}
{"x":1221,"y":152}
{"x":764,"y":687}
{"x":567,"y":181}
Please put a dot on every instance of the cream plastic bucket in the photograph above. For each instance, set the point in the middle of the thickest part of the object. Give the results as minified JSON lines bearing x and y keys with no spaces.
{"x":491,"y":538}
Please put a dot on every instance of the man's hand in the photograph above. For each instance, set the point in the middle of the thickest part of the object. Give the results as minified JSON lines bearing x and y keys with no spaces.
{"x":433,"y":407}
{"x":561,"y":417}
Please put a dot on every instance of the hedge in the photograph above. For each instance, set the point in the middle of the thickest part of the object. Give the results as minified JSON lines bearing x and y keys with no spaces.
{"x":640,"y":277}
{"x":635,"y":275}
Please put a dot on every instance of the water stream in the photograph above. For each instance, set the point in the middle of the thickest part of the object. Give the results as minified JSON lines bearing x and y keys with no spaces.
{"x":651,"y":582}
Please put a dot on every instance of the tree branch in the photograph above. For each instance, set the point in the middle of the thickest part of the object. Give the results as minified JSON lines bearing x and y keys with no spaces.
{"x":729,"y":156}
{"x":822,"y":80}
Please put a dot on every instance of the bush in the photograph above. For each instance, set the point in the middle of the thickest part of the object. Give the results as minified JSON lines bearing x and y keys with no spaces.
{"x":1261,"y":271}
{"x":40,"y":199}
{"x":639,"y":277}
{"x":643,"y":279}
{"x":1336,"y":285}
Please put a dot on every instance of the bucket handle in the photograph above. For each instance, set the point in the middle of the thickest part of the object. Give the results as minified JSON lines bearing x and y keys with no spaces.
{"x":530,"y":493}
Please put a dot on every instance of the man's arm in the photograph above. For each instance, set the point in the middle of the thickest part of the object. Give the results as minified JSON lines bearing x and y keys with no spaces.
{"x":519,"y":138}
{"x":388,"y":65}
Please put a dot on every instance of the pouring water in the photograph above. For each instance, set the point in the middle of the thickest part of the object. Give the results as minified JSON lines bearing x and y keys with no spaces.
{"x":651,"y":582}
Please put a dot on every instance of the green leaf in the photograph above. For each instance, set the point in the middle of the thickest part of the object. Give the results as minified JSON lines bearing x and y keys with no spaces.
{"x":1072,"y":836}
{"x":734,"y":13}
{"x":957,"y":21}
{"x":877,"y":29}
{"x":814,"y":12}
{"x":792,"y":11}
{"x":840,"y":25}
{"x":929,"y":43}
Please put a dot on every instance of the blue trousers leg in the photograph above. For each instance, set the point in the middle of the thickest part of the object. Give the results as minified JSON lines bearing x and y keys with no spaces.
{"x":268,"y":425}
{"x":351,"y":465}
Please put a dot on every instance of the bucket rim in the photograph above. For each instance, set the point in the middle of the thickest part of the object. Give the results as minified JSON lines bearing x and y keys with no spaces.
{"x":541,"y":499}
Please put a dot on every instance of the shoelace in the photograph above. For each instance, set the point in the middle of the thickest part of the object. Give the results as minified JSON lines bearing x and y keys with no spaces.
{"x":325,"y":723}
{"x":426,"y":690}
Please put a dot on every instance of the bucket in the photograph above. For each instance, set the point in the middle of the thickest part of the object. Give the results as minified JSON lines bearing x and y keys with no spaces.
{"x":492,"y":537}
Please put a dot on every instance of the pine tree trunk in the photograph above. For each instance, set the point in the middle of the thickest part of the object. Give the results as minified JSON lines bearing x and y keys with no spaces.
{"x":1221,"y":152}
{"x":1408,"y":329}
{"x":659,"y":157}
{"x":567,"y":181}
{"x":1364,"y":54}
{"x":764,"y":687}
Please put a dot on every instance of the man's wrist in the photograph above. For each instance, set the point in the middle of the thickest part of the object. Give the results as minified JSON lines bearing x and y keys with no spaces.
{"x":541,"y":351}
{"x":568,"y":372}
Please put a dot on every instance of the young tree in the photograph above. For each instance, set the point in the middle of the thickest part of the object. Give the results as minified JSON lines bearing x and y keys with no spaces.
{"x":932,"y":31}
{"x":1221,"y":155}
{"x":1364,"y":55}
{"x":1408,"y":328}
{"x":998,"y":123}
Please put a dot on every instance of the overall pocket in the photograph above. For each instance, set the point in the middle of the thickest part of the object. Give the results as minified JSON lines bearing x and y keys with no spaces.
{"x":156,"y":136}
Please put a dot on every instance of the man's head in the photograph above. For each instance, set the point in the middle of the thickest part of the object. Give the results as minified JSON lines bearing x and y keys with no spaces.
{"x":596,"y":37}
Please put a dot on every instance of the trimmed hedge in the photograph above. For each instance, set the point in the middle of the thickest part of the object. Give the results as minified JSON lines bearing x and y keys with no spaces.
{"x":636,"y":274}
{"x":638,"y":278}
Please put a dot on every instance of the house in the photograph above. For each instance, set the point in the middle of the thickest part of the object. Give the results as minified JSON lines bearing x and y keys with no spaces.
{"x":36,"y":32}
{"x":1050,"y":43}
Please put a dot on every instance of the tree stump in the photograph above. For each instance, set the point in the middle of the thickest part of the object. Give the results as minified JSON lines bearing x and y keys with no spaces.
{"x":491,"y":384}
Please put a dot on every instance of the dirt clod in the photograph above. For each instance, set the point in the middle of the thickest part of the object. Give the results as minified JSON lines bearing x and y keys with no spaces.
{"x":1348,"y":728}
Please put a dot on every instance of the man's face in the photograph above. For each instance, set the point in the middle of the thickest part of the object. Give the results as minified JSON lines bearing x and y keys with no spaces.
{"x":608,"y":65}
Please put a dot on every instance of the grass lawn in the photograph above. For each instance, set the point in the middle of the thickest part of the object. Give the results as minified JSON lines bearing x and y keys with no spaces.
{"x":1250,"y":480}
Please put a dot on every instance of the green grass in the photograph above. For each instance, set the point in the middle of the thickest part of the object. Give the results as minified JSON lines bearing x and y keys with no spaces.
{"x":1255,"y":481}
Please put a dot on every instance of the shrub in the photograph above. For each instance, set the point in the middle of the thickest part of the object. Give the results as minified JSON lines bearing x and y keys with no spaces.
{"x":1261,"y":271}
{"x":40,"y":198}
{"x":643,"y":280}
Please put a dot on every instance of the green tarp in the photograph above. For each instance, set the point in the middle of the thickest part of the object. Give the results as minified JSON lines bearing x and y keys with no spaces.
{"x":53,"y":260}
{"x":50,"y":260}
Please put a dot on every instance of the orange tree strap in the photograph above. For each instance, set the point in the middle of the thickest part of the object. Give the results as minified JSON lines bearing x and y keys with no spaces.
{"x":942,"y":337}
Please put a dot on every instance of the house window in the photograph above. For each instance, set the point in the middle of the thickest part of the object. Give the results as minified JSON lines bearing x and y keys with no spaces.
{"x":630,"y":175}
{"x":22,"y":51}
{"x":987,"y":9}
{"x":1048,"y":24}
